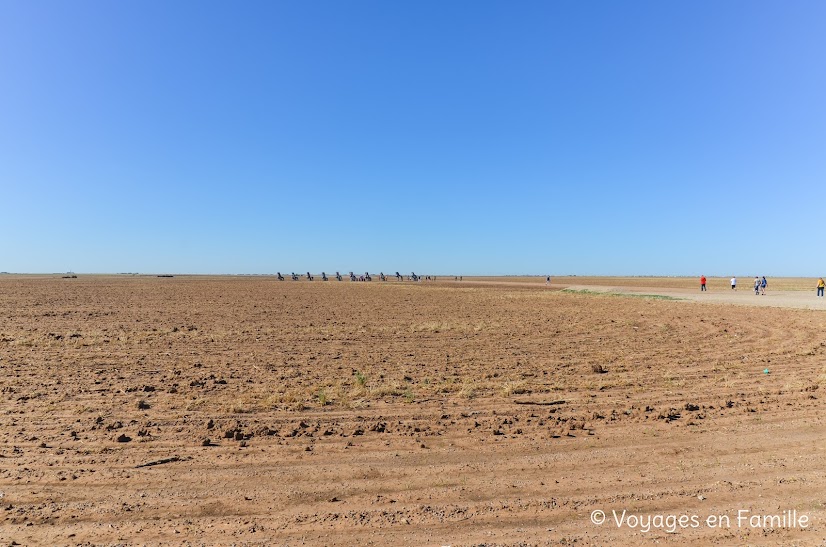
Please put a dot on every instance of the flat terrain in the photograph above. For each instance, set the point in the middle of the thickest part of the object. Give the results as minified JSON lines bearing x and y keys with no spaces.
{"x":210,"y":410}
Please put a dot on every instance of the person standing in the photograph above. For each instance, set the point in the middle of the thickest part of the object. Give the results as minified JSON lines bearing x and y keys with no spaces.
{"x":734,"y":283}
{"x":548,"y":280}
{"x":756,"y":285}
{"x":702,"y":283}
{"x":820,"y":286}
{"x":763,"y":285}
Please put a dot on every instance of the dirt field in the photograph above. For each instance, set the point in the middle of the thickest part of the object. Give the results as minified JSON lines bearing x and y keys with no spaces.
{"x":485,"y":412}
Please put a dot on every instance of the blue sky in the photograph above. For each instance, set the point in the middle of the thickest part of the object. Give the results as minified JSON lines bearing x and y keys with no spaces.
{"x":648,"y":138}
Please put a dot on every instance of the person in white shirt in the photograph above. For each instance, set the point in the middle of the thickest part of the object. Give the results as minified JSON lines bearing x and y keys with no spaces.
{"x":734,"y":283}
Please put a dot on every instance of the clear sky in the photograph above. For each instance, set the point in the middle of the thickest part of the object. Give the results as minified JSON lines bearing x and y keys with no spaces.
{"x":473,"y":137}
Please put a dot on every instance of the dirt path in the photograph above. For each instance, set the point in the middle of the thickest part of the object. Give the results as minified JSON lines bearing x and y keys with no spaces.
{"x":742,"y":297}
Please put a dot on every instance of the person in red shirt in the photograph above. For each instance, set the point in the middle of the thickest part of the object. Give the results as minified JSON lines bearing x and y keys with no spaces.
{"x":703,"y":283}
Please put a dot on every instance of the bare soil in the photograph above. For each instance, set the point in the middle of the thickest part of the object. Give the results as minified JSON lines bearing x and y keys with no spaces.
{"x":485,"y":412}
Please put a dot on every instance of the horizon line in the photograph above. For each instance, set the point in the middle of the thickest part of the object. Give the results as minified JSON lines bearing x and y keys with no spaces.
{"x":303,"y":276}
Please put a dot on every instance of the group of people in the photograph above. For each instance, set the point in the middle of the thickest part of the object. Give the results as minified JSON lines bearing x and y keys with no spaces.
{"x":760,"y":285}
